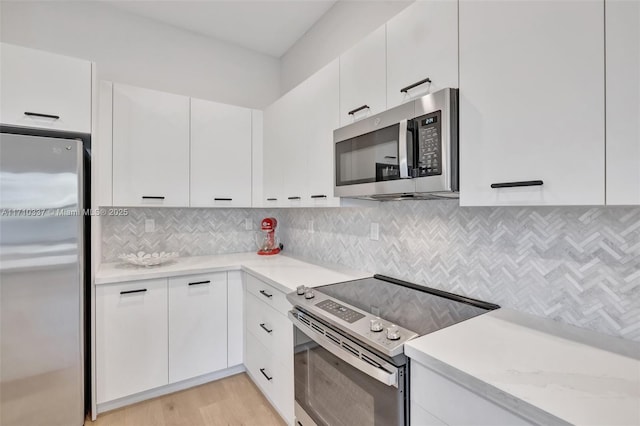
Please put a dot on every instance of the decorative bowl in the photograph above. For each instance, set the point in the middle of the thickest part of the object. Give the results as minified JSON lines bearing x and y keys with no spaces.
{"x":148,"y":259}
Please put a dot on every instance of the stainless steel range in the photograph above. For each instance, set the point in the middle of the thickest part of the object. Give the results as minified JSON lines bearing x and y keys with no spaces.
{"x":349,"y":362}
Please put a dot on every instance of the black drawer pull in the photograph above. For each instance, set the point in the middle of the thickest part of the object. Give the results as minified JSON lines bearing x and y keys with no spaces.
{"x":223,"y":199}
{"x":416,"y":84}
{"x":517,"y":184}
{"x":353,"y":111}
{"x":265,"y":328}
{"x":272,"y":199}
{"x":318,"y":196}
{"x":293,"y":198}
{"x":152,"y":197}
{"x":37,"y":114}
{"x":265,"y":374}
{"x":142,"y":290}
{"x":200,"y":282}
{"x":265,"y":294}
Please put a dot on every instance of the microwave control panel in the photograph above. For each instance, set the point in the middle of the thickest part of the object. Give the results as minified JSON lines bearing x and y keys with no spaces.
{"x":428,"y":145}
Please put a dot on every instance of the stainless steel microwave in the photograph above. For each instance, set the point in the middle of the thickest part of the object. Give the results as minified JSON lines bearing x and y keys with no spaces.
{"x":406,"y":152}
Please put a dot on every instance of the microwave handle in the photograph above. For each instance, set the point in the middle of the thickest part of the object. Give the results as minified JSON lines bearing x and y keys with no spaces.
{"x":403,"y":154}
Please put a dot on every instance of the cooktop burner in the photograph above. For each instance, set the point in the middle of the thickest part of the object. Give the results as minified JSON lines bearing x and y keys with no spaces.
{"x":383,"y":312}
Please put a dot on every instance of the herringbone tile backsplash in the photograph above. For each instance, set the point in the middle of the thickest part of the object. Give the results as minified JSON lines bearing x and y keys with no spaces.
{"x":578,"y":265}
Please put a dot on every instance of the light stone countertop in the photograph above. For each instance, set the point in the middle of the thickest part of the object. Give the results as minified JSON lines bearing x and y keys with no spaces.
{"x":547,"y":371}
{"x":283,"y":272}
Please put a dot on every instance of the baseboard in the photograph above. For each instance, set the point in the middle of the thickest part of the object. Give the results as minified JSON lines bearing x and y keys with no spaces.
{"x":170,"y":388}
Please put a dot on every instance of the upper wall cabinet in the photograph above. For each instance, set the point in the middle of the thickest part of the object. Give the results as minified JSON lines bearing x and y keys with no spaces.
{"x":298,"y":143}
{"x":422,"y":43}
{"x":44,"y":90}
{"x":150,"y":148}
{"x":220,"y":155}
{"x":623,"y":101}
{"x":532,"y":103}
{"x":363,"y":78}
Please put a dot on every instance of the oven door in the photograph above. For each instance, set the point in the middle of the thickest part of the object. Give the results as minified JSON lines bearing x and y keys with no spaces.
{"x":334,"y":386}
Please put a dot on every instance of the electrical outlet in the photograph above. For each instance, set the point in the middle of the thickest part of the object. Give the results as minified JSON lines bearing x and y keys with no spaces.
{"x":149,"y":225}
{"x":248,"y":224}
{"x":375,"y":231}
{"x":310,"y":227}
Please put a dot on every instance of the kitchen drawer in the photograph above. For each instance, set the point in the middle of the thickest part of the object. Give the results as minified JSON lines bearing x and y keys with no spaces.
{"x":272,"y":329}
{"x":268,"y":294}
{"x":421,"y":417}
{"x":454,"y":404}
{"x":260,"y":364}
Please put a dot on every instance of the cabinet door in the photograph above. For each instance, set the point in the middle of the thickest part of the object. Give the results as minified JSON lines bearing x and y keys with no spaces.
{"x":275,"y":122}
{"x":235,"y":318}
{"x":44,"y":90}
{"x":220,"y":155}
{"x":532,"y":102}
{"x":197,"y":325}
{"x":623,"y":101}
{"x":363,"y":78}
{"x":131,"y":338}
{"x":150,"y":148}
{"x":422,"y":42}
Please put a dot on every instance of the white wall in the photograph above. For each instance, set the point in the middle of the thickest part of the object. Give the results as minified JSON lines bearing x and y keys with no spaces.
{"x":136,"y":50}
{"x":346,"y":23}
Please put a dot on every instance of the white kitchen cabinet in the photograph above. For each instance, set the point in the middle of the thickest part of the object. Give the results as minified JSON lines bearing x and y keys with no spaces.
{"x":269,"y":344}
{"x":363,"y":78}
{"x":131,"y":338}
{"x":150,"y":148}
{"x":532,"y":102}
{"x":623,"y":101}
{"x":197,"y":325}
{"x":440,"y":400}
{"x":275,"y":124}
{"x":220,"y":172}
{"x":44,"y":90}
{"x":235,"y":318}
{"x":422,"y":42}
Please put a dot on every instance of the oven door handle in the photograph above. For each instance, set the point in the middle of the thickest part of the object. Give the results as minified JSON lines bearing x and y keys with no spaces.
{"x":403,"y":154}
{"x":389,"y":378}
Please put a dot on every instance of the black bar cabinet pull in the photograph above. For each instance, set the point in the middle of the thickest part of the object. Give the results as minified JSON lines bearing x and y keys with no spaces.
{"x":142,"y":290}
{"x":37,"y":114}
{"x":293,"y":198}
{"x":319,"y":196}
{"x":200,"y":282}
{"x":223,"y":199}
{"x":353,"y":111}
{"x":265,"y":374}
{"x":265,"y":328}
{"x":272,"y":199}
{"x":516,"y":184}
{"x":151,"y":197}
{"x":265,"y":294}
{"x":416,"y":84}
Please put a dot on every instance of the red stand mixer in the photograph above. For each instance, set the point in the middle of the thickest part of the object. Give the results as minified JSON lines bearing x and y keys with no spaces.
{"x":267,"y":241}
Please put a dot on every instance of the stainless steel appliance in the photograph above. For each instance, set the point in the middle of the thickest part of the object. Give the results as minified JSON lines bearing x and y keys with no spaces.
{"x":407,"y":152}
{"x":349,"y":362}
{"x":41,"y":278}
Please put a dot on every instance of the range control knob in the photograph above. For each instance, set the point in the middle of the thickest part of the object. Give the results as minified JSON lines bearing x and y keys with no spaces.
{"x":393,"y":333}
{"x":376,"y":325}
{"x":300,"y":290}
{"x":309,"y":294}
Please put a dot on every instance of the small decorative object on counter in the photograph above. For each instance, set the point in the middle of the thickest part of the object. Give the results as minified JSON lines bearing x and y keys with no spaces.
{"x":148,"y":259}
{"x":266,"y":239}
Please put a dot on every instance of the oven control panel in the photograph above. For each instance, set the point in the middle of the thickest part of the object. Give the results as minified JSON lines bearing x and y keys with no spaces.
{"x":428,"y":145}
{"x":341,"y":311}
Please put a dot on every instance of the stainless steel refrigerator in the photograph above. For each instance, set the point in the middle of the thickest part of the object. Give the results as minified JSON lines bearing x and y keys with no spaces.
{"x":42,"y":281}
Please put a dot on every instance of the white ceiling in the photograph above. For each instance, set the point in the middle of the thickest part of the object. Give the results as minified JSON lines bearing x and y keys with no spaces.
{"x":266,"y":26}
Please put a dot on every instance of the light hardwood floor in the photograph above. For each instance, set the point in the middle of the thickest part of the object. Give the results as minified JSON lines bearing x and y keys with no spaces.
{"x":231,"y":401}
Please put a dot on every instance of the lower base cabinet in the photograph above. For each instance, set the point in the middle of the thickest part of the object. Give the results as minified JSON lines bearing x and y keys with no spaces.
{"x":131,"y":338}
{"x":153,"y":333}
{"x":269,"y":344}
{"x":437,"y":400}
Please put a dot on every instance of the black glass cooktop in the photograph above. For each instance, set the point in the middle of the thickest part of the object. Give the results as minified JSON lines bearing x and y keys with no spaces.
{"x":421,"y":309}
